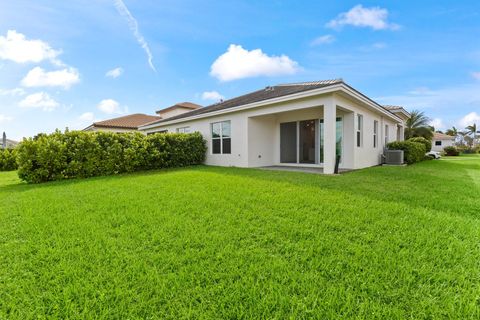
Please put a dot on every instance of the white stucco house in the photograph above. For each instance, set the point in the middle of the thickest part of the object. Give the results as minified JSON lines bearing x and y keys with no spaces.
{"x":299,"y":124}
{"x":441,"y":141}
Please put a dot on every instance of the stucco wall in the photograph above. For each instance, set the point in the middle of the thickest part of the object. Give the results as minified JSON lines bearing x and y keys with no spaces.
{"x":256,"y":132}
{"x":445,"y":143}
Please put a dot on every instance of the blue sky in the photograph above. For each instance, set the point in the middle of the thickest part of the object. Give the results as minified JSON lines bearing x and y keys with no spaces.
{"x":55,"y":56}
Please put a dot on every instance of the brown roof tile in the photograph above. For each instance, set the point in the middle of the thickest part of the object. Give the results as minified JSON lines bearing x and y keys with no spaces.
{"x":132,"y":121}
{"x":186,"y":105}
{"x":442,"y":136}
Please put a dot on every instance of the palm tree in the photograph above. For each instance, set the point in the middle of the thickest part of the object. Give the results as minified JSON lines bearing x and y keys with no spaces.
{"x":452,"y":132}
{"x":418,"y":126}
{"x":473,"y":131}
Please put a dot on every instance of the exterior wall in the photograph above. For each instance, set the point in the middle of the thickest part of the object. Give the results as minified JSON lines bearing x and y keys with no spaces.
{"x":255,"y":133}
{"x":366,"y":155}
{"x":173,"y":112}
{"x":445,"y":143}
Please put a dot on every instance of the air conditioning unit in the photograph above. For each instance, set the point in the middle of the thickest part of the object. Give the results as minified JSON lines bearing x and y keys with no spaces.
{"x":394,"y":157}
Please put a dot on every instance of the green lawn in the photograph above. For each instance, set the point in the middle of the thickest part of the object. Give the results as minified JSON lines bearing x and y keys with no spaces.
{"x":209,"y":242}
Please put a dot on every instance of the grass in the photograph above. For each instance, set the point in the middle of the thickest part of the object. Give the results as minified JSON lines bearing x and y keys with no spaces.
{"x":210,"y":242}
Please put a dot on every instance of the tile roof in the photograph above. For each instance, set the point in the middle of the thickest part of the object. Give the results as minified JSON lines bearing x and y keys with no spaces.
{"x":186,"y":105}
{"x":442,"y":136}
{"x":132,"y":121}
{"x":267,"y":93}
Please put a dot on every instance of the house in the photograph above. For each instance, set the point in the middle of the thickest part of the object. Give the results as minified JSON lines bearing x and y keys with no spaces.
{"x":304,"y":124}
{"x":122,"y":124}
{"x":441,"y":141}
{"x":131,"y":122}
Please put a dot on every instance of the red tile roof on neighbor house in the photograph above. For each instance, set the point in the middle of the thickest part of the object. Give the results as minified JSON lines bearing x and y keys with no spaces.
{"x":184,"y":105}
{"x":132,"y":121}
{"x":442,"y":136}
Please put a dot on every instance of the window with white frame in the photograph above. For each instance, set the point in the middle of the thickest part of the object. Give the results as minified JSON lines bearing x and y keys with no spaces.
{"x":221,"y":137}
{"x":387,"y":139}
{"x":359,"y":130}
{"x":375,"y":133}
{"x":183,"y":130}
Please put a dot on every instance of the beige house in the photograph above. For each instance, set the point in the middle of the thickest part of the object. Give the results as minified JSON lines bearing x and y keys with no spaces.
{"x":441,"y":141}
{"x":306,"y":124}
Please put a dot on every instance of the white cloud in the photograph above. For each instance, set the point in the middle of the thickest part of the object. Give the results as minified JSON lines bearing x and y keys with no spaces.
{"x":12,"y":92}
{"x":4,"y":118}
{"x":87,"y":116}
{"x":114,"y":73}
{"x":133,"y":25}
{"x":326,"y":39}
{"x":437,"y":123}
{"x":238,"y":63}
{"x":39,"y":100}
{"x":379,"y":45}
{"x":110,"y":106}
{"x":37,"y":77}
{"x":16,"y":47}
{"x":212,"y":95}
{"x":476,"y":75}
{"x":470,"y":119}
{"x":374,"y":17}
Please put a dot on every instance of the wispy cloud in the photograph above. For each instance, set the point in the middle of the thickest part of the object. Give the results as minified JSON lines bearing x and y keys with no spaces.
{"x":114,"y":73}
{"x":326,"y":39}
{"x":212,"y":95}
{"x":359,"y":16}
{"x":476,"y":75}
{"x":133,"y":24}
{"x":39,"y":100}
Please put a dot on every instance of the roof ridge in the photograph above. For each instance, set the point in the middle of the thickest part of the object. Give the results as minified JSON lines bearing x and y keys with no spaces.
{"x":310,"y":83}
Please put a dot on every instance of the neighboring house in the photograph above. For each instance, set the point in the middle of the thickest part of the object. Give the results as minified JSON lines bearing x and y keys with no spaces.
{"x":441,"y":141}
{"x":8,"y":144}
{"x":122,"y":124}
{"x":177,"y":109}
{"x":300,"y":124}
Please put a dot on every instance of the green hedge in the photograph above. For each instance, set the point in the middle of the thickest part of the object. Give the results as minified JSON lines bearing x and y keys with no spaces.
{"x":412,"y":151}
{"x":77,"y":154}
{"x":426,"y":142}
{"x":8,"y":159}
{"x":451,"y":151}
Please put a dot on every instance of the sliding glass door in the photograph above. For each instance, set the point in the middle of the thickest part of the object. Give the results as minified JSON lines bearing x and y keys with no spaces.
{"x":288,"y":142}
{"x":308,"y":141}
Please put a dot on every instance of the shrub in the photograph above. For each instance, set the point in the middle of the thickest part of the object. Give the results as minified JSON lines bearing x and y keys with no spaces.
{"x":8,"y":159}
{"x":412,"y":151}
{"x":426,"y":142}
{"x":77,"y":154}
{"x":451,"y":151}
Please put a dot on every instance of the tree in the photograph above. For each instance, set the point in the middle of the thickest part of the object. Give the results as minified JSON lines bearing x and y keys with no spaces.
{"x":418,"y":126}
{"x":473,"y":131}
{"x":452,"y":132}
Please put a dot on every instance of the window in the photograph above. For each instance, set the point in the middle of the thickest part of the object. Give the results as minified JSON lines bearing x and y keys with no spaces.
{"x":386,"y":134}
{"x":221,"y":137}
{"x":375,"y":133}
{"x":183,"y":130}
{"x":438,"y":143}
{"x":359,"y":130}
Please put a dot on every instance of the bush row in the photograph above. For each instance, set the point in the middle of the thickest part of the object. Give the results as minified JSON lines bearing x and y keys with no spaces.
{"x":427,"y":143}
{"x":8,"y":159}
{"x":77,"y":154}
{"x":451,"y":151}
{"x":412,"y":151}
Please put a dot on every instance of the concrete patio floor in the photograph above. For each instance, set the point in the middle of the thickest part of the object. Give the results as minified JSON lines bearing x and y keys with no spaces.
{"x":298,"y":169}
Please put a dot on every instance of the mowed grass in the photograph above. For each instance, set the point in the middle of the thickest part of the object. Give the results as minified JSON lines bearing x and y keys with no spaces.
{"x":213,"y":243}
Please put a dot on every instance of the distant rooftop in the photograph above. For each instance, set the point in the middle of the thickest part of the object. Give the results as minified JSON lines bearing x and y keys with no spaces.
{"x":184,"y":105}
{"x":132,"y":121}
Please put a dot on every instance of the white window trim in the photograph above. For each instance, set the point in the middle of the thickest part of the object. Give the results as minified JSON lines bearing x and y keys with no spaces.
{"x":183,"y":129}
{"x":387,"y":137}
{"x":359,"y":124}
{"x":375,"y":133}
{"x":221,"y":137}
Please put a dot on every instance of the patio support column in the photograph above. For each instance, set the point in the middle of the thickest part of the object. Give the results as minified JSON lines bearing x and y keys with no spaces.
{"x":402,"y":133}
{"x":330,"y":119}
